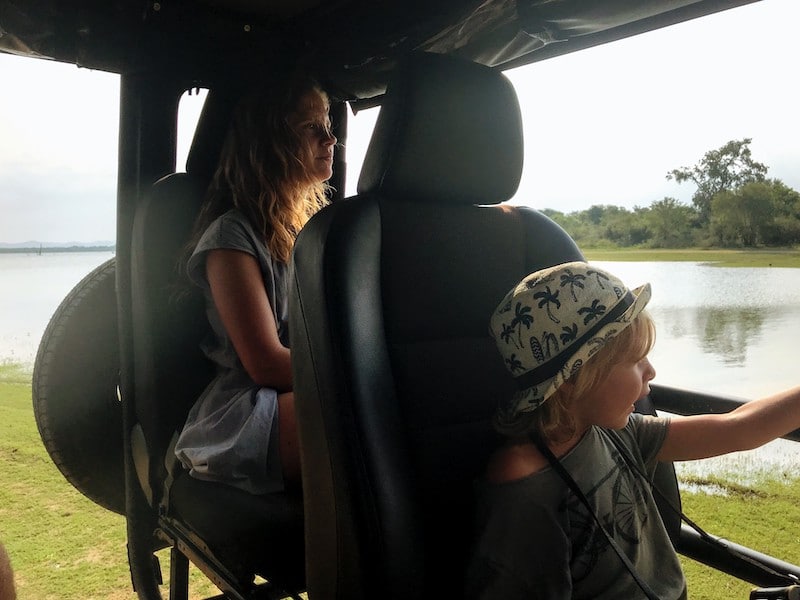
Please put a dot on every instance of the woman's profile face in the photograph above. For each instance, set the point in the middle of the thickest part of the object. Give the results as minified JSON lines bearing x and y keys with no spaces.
{"x":313,"y":126}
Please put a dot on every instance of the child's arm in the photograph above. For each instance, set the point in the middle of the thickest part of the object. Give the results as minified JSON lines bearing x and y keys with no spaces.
{"x":749,"y":426}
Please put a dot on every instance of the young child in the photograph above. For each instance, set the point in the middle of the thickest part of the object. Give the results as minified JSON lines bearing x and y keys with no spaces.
{"x":576,"y":340}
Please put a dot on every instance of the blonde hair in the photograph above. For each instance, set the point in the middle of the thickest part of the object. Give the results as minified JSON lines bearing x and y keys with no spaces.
{"x":261,"y":171}
{"x":553,"y":420}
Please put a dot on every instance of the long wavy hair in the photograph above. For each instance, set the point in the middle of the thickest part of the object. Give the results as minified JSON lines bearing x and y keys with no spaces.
{"x":261,"y":170}
{"x":553,"y":420}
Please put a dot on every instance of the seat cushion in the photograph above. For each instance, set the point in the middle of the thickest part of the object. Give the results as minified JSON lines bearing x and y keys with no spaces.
{"x":261,"y":534}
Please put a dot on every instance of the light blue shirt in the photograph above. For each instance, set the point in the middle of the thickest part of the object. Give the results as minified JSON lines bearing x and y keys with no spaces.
{"x":231,"y":433}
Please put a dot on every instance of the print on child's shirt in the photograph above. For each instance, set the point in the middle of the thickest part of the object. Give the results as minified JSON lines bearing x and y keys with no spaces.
{"x":624,"y":517}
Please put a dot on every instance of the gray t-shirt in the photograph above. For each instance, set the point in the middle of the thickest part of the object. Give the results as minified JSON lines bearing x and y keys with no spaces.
{"x":230,"y":435}
{"x":537,"y":541}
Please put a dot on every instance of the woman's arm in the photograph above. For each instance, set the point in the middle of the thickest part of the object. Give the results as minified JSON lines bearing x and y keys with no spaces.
{"x":749,"y":426}
{"x":241,"y":300}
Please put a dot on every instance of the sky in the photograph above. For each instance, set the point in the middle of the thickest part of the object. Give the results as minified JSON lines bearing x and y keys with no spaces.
{"x":602,"y":126}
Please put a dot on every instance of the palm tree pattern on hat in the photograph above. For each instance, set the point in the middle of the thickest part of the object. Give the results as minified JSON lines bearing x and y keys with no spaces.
{"x":554,"y":320}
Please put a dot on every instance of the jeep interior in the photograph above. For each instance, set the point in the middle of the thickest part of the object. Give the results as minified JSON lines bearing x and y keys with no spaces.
{"x":395,"y":384}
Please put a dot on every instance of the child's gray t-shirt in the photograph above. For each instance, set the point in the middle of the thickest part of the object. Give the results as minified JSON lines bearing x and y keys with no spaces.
{"x":536,"y":540}
{"x":230,"y":435}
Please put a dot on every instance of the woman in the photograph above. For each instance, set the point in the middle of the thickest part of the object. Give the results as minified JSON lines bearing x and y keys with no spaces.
{"x":271,"y":178}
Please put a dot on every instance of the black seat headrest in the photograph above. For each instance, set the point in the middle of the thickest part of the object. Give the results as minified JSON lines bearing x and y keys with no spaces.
{"x":449,"y":131}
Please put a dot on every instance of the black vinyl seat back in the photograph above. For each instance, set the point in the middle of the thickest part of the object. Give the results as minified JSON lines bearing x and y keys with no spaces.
{"x":168,"y":313}
{"x":169,"y":323}
{"x":396,"y":377}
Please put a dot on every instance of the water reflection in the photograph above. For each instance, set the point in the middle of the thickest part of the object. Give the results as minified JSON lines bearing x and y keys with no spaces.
{"x":722,"y":330}
{"x":727,"y":333}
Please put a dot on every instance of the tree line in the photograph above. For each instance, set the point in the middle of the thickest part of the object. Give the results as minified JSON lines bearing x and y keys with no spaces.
{"x":734,"y":205}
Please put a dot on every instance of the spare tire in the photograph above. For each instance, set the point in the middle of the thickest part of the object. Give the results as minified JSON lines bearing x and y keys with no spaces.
{"x":75,"y":400}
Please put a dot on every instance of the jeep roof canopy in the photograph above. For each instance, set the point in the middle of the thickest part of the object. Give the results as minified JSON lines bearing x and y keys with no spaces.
{"x":354,"y":43}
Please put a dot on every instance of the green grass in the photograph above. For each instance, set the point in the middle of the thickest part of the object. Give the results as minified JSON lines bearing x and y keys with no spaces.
{"x":766,"y":519}
{"x":65,"y":547}
{"x":721,"y":258}
{"x":62,"y":545}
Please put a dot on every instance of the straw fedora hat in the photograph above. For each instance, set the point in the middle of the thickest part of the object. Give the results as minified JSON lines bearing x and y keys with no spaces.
{"x":552,"y":322}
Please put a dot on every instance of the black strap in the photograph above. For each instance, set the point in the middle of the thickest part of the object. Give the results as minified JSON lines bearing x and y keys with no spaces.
{"x":582,"y":497}
{"x":707,"y":537}
{"x":551,"y":367}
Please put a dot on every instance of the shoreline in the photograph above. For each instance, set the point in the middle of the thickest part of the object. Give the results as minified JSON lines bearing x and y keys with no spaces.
{"x":58,"y":249}
{"x":765,"y":258}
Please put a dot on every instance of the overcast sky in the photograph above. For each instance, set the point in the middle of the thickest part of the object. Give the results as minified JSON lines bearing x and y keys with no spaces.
{"x":602,"y":126}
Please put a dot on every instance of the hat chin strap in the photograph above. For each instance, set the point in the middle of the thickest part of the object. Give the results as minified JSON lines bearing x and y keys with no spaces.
{"x":551,"y":368}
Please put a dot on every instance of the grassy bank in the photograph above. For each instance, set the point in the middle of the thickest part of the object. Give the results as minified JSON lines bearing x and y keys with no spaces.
{"x":64,"y":547}
{"x":766,"y":519}
{"x":721,"y":258}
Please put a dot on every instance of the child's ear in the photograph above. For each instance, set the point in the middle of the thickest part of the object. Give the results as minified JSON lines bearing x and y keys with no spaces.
{"x":567,"y":388}
{"x":567,"y":391}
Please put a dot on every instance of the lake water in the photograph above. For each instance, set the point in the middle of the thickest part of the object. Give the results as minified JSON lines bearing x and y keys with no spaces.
{"x":723,"y":330}
{"x":729,"y":331}
{"x":31,"y":288}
